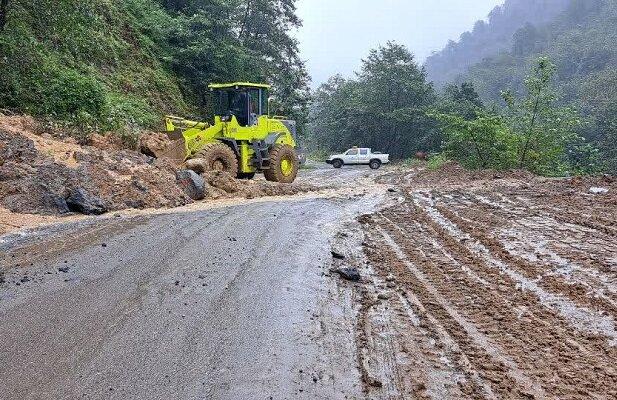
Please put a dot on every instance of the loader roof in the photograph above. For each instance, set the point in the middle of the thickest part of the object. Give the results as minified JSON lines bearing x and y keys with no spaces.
{"x":238,"y":84}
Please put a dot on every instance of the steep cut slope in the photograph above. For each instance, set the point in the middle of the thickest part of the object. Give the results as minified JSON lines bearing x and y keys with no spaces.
{"x":93,"y":63}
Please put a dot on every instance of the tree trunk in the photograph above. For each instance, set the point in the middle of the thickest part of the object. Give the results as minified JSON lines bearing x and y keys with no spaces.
{"x":4,"y":8}
{"x":530,"y":133}
{"x":245,"y":22}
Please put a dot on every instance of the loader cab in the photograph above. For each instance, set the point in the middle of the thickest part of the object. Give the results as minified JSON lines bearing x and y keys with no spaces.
{"x":245,"y":101}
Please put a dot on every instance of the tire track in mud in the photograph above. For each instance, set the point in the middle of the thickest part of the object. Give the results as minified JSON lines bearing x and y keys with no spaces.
{"x":489,"y":374}
{"x":538,"y":341}
{"x":572,"y":242}
{"x":581,"y":318}
{"x":547,"y":277}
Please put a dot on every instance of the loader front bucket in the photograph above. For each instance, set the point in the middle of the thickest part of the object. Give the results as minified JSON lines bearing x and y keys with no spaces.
{"x":169,"y":146}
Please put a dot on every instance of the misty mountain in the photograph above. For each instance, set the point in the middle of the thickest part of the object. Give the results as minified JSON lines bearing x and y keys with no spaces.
{"x":489,"y":38}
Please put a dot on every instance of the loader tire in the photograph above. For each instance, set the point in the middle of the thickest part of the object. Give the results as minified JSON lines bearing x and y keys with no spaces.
{"x":284,"y":164}
{"x":218,"y":157}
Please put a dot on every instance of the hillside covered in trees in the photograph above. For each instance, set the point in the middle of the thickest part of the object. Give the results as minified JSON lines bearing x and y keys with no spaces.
{"x":119,"y":65}
{"x":582,"y":42}
{"x":490,"y":37}
{"x":539,"y":73}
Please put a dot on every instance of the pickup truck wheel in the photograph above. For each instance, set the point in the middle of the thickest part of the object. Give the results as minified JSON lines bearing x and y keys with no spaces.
{"x":284,"y":164}
{"x":375,"y":164}
{"x":337,"y":164}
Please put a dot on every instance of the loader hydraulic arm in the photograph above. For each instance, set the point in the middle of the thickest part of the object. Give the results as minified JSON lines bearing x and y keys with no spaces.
{"x":172,"y":123}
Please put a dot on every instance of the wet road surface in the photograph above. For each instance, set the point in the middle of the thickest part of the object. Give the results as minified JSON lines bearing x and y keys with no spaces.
{"x":230,"y":303}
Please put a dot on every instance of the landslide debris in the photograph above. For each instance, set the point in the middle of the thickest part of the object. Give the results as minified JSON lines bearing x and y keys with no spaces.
{"x":90,"y":180}
{"x":42,"y":174}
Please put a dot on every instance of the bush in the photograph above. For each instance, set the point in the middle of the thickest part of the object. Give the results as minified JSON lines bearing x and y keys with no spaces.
{"x":534,"y":134}
{"x":71,"y":95}
{"x":484,"y":142}
{"x":437,"y":161}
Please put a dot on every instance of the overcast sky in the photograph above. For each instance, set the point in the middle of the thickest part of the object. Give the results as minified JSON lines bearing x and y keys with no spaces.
{"x":337,"y":34}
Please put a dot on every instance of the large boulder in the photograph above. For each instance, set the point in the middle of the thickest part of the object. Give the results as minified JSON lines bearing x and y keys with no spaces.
{"x":192,"y":184}
{"x":83,"y":202}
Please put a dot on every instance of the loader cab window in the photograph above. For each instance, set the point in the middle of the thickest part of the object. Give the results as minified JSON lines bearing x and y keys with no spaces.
{"x":245,"y":104}
{"x":254,"y":106}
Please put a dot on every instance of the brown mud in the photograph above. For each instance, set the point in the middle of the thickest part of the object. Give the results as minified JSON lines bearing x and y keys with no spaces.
{"x":40,"y":172}
{"x":497,"y":285}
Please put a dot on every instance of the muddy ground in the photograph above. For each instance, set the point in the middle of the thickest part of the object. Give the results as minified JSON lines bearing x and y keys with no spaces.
{"x":490,"y":285}
{"x":472,"y":285}
{"x":44,"y":174}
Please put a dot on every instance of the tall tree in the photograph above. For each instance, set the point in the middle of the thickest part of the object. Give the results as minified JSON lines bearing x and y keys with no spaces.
{"x":543,"y":128}
{"x":384,"y":108}
{"x":4,"y":9}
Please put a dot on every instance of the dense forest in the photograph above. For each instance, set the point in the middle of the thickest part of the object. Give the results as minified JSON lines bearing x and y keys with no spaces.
{"x":385,"y":107}
{"x":482,"y":85}
{"x":121,"y":65}
{"x":582,"y":42}
{"x":490,"y":37}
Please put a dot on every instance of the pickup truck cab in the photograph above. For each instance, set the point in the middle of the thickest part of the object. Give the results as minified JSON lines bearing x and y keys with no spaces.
{"x":359,"y":156}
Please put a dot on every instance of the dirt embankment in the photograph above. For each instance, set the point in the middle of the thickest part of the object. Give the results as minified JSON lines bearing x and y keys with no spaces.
{"x":41,"y":174}
{"x":492,"y":285}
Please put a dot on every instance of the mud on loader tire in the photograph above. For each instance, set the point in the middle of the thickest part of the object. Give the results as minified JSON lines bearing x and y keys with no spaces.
{"x":280,"y":155}
{"x":218,"y":157}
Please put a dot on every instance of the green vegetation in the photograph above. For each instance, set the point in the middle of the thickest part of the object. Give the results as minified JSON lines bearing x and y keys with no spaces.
{"x":384,"y":108}
{"x":579,"y":36}
{"x":103,"y":65}
{"x":534,"y":133}
{"x":121,"y":66}
{"x":436,"y":162}
{"x":535,"y":87}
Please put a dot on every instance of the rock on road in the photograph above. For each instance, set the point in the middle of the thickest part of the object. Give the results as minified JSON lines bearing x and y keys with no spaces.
{"x":228,"y":303}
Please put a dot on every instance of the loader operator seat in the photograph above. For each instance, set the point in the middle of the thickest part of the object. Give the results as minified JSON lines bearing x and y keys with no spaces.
{"x":239,"y":107}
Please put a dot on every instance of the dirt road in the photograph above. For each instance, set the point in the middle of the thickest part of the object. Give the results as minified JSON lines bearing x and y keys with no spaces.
{"x":495,"y":287}
{"x":229,"y":303}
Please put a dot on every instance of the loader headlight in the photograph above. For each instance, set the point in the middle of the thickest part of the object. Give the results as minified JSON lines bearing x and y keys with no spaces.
{"x":226,"y":118}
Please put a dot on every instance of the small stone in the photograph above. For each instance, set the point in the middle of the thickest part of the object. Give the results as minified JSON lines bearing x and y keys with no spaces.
{"x":383,"y":296}
{"x":103,"y":244}
{"x":64,"y":269}
{"x":598,"y":190}
{"x":337,"y":254}
{"x":24,"y":279}
{"x":375,"y":383}
{"x":350,"y":274}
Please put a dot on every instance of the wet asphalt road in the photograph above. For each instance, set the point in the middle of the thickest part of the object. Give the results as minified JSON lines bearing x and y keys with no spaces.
{"x":231,"y":303}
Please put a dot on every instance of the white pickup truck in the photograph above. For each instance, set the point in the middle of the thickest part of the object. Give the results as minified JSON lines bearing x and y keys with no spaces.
{"x":359,"y":156}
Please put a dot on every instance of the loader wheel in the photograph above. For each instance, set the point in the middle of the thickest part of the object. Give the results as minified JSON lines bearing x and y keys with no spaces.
{"x":218,"y":157}
{"x":284,"y":164}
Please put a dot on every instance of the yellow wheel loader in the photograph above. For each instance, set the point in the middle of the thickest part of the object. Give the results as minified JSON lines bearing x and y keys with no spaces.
{"x":243,"y":140}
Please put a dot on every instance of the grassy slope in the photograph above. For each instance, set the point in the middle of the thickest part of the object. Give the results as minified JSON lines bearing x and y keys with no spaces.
{"x":94,"y":63}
